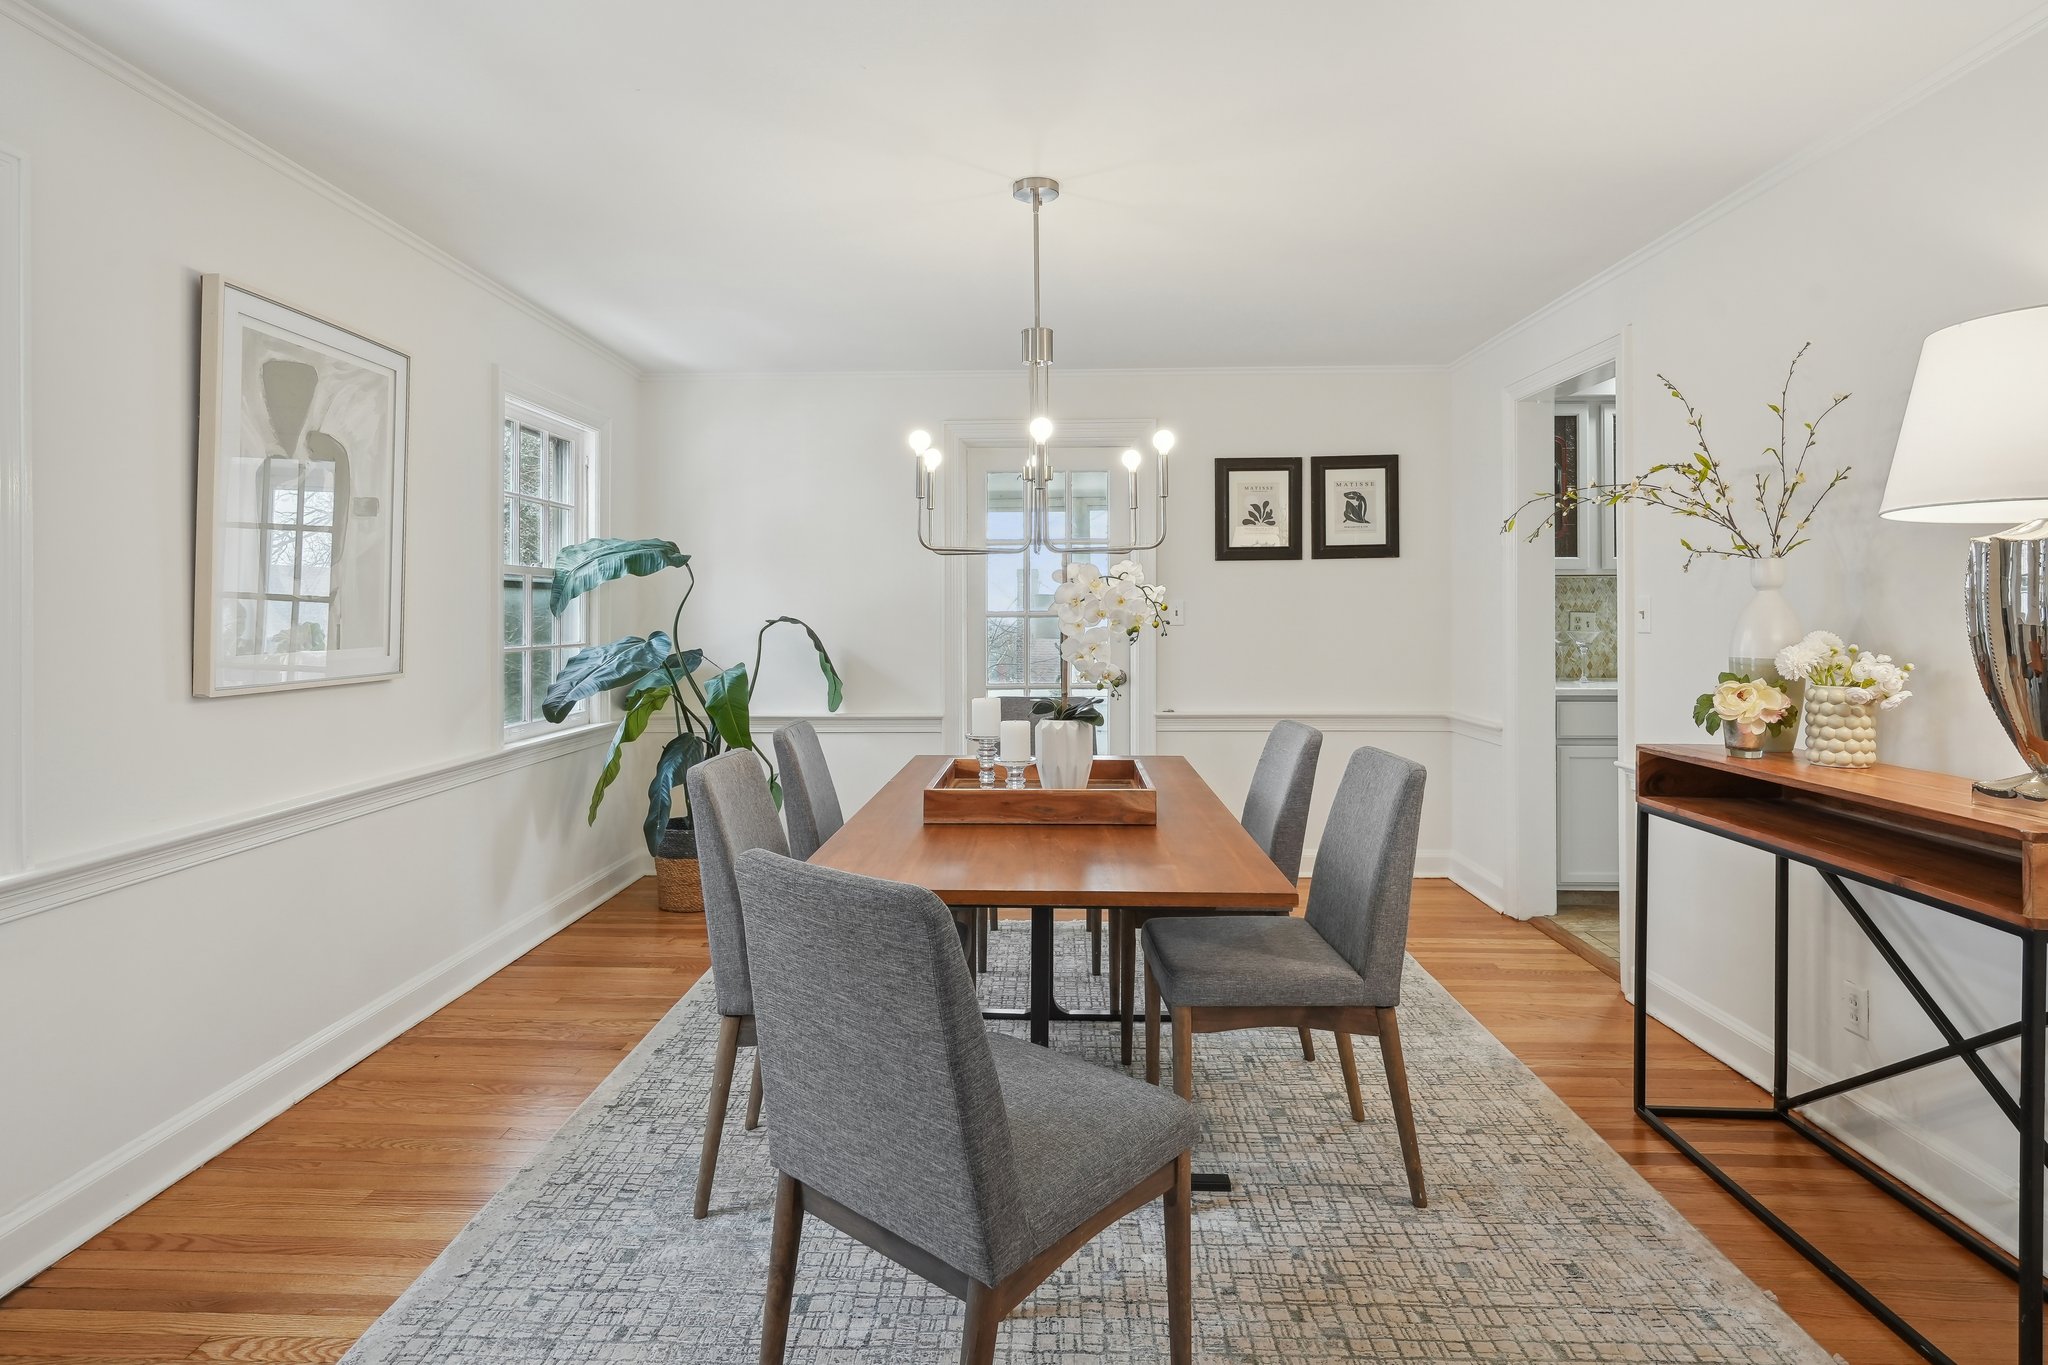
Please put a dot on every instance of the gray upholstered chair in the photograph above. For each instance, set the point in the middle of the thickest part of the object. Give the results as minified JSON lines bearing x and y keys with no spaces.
{"x":977,"y":1161}
{"x":1338,"y":969}
{"x":809,"y":800}
{"x":732,"y":812}
{"x":1276,"y":815}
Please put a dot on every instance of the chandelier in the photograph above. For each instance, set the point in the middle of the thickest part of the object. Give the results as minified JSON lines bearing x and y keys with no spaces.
{"x":1037,"y":191}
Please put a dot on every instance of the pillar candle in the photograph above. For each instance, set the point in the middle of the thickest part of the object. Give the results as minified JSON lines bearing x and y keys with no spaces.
{"x":1016,"y":741}
{"x":987,"y":713}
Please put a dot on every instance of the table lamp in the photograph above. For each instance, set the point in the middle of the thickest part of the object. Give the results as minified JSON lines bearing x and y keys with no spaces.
{"x":1974,"y":448}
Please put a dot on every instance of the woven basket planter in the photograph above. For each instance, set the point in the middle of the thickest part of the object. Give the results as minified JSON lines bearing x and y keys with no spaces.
{"x":676,"y":884}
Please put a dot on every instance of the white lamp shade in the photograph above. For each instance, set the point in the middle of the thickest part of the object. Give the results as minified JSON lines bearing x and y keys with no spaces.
{"x":1974,"y":443}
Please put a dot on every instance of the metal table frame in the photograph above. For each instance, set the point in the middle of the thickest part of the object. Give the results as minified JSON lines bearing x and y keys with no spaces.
{"x":2025,"y":1112}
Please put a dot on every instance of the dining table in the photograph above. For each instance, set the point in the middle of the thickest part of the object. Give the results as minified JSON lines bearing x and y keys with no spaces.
{"x":1197,"y":858}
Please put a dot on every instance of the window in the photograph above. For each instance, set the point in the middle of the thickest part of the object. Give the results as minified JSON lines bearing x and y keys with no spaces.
{"x":546,"y":482}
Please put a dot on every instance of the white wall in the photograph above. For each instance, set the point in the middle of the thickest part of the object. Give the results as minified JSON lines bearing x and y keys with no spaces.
{"x":227,"y":901}
{"x":1929,"y":218}
{"x":793,"y":491}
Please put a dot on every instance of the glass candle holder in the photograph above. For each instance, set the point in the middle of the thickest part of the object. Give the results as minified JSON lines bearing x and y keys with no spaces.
{"x":1016,"y":773}
{"x":985,"y":757}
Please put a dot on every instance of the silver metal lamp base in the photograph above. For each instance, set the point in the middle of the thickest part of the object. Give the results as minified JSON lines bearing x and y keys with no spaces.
{"x":2025,"y":787}
{"x":2006,"y":599}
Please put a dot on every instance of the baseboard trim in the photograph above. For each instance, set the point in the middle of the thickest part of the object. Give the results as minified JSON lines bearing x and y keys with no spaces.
{"x":46,"y":888}
{"x":1486,"y":886}
{"x":40,"y":1232}
{"x":1944,"y":1173}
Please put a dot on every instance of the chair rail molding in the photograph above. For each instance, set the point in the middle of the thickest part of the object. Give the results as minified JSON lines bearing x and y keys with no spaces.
{"x":1340,"y":722}
{"x":842,"y":723}
{"x":15,"y":566}
{"x":97,"y":873}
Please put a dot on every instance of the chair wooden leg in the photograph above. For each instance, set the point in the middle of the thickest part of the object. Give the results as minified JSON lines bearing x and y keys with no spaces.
{"x":1404,"y":1114}
{"x":1308,"y":1045}
{"x":1151,"y":1030}
{"x":1116,"y":948}
{"x":1127,"y":957}
{"x":782,"y":1247}
{"x":1095,"y":942}
{"x":714,"y":1110}
{"x":754,"y":1095}
{"x":978,"y":1339}
{"x":1180,"y":1313}
{"x":1349,"y":1061}
{"x":1184,"y":1052}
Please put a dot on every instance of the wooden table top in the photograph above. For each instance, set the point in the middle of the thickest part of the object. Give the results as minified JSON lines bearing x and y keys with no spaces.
{"x":1197,"y":855}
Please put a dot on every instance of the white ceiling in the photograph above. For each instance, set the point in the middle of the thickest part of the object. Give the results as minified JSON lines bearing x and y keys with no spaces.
{"x":825,"y":185}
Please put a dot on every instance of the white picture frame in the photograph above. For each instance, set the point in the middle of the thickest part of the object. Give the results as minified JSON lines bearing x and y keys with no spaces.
{"x":299,"y":529}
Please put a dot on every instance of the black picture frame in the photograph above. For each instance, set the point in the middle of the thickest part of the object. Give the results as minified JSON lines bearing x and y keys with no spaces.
{"x":1228,"y":520}
{"x":1321,"y":470}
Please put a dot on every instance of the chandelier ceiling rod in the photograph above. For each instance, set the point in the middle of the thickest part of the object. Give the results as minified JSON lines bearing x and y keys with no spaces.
{"x":1036,"y":476}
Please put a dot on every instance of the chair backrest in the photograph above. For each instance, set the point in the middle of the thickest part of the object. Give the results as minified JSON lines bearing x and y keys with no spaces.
{"x":875,"y":1062}
{"x":732,"y":812}
{"x":809,"y":800}
{"x":1276,"y":808}
{"x":1019,"y":708}
{"x":1365,"y":868}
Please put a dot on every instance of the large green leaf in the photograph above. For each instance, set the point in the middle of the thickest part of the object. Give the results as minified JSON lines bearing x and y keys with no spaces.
{"x":639,"y":710}
{"x":835,"y":691}
{"x":581,"y":567}
{"x":725,"y":701}
{"x":670,"y":674}
{"x":678,"y":756}
{"x":603,"y":667}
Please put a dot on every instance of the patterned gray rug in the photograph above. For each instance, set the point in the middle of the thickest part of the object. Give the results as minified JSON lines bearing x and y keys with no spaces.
{"x":1540,"y":1243}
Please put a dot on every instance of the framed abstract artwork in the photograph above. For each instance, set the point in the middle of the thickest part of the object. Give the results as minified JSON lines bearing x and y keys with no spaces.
{"x":300,"y":536}
{"x":1357,"y":506}
{"x":1258,"y":508}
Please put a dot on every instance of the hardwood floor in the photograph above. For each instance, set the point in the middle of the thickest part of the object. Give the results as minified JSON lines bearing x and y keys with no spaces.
{"x":286,"y":1246}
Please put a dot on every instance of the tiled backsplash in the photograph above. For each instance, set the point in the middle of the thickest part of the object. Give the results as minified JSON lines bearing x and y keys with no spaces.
{"x":1592,"y":592}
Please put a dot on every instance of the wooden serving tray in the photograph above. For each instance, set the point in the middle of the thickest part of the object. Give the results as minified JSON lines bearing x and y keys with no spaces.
{"x":1119,"y":792}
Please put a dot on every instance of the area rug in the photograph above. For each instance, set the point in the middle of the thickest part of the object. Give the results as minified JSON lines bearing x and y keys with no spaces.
{"x":1539,"y":1244}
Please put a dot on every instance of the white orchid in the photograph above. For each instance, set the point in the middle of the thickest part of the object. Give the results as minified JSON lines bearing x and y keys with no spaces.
{"x":1097,"y":610}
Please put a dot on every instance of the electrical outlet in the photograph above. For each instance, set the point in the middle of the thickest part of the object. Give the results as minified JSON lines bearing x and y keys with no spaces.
{"x":1176,"y":614}
{"x":1582,"y":620}
{"x":1855,"y":1008}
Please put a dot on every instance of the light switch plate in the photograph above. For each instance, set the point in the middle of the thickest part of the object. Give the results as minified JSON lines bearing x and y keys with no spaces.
{"x":1643,"y":614}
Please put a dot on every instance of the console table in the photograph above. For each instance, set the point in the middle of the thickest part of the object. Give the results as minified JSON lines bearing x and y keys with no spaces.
{"x":1920,"y":835}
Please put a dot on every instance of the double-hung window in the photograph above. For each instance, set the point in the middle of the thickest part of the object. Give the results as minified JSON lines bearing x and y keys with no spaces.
{"x":547,"y":479}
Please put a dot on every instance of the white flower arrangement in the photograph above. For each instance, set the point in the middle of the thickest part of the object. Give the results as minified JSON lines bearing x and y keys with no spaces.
{"x":1096,"y":609}
{"x":1746,"y":705}
{"x":1824,"y":661}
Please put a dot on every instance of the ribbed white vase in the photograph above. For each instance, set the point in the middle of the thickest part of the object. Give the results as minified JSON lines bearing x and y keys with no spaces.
{"x":1839,"y":733}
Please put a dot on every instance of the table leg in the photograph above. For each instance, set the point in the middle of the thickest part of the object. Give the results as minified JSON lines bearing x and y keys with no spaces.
{"x":2033,"y":1026}
{"x":1781,"y":1046}
{"x":1127,"y":966}
{"x":1642,"y":950}
{"x":1041,"y":975}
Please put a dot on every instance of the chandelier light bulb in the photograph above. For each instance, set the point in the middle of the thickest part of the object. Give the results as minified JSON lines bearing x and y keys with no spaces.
{"x":932,"y":456}
{"x":1131,"y":458}
{"x":920,"y":441}
{"x":1041,"y":429}
{"x":1162,"y":440}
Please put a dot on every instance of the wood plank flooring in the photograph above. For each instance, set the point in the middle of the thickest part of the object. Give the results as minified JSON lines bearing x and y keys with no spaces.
{"x":286,"y":1246}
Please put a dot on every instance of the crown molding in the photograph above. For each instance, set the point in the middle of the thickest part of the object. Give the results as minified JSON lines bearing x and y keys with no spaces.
{"x":2012,"y":35}
{"x":140,"y":81}
{"x":1067,"y":373}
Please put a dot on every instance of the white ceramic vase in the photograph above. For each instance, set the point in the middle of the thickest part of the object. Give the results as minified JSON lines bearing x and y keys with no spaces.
{"x":1839,"y":733}
{"x":1066,"y":753}
{"x":1766,"y":625}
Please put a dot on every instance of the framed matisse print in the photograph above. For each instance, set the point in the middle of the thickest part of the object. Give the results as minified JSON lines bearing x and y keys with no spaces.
{"x":1357,"y":506}
{"x":1258,"y":508}
{"x":300,"y":536}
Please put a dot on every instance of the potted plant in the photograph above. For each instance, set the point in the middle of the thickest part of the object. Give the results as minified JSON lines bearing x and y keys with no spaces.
{"x":1845,"y":689}
{"x":1100,"y":615}
{"x":1744,"y":710}
{"x":711,"y":703}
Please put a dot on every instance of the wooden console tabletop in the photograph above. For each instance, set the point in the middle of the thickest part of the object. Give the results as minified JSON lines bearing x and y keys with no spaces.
{"x":1925,"y":835}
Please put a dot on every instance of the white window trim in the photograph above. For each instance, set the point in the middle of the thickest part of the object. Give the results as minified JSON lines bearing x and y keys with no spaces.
{"x":594,"y":450}
{"x":16,"y":637}
{"x":957,"y":439}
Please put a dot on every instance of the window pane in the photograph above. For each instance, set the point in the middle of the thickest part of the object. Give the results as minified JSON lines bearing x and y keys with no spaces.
{"x":515,"y":688}
{"x":1005,"y":590}
{"x":562,"y":470}
{"x":511,"y":456}
{"x":1088,"y":501}
{"x":316,"y":555}
{"x":569,"y":625}
{"x":511,"y":540}
{"x":312,"y":625}
{"x":529,"y":461}
{"x":277,"y":627}
{"x":515,"y":614}
{"x":1046,"y":568}
{"x":284,"y":505}
{"x":561,"y":531}
{"x":279,"y":563}
{"x":543,"y":622}
{"x":1005,"y":651}
{"x":542,"y":673}
{"x":529,"y":534}
{"x":1005,"y":514}
{"x":1045,"y":651}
